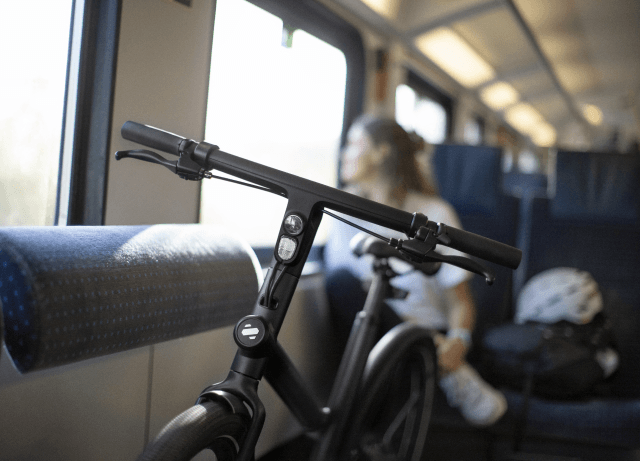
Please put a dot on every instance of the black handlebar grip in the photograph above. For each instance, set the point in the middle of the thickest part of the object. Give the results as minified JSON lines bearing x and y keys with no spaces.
{"x":152,"y":137}
{"x":484,"y":248}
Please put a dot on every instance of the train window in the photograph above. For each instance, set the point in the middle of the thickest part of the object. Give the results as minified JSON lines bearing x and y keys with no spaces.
{"x":419,"y":113}
{"x":276,"y":96}
{"x":423,"y":108}
{"x":473,"y":132}
{"x":529,"y":162}
{"x":35,"y":44}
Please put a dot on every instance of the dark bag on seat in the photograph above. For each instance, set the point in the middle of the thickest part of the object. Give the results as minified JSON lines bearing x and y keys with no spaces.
{"x":559,"y":359}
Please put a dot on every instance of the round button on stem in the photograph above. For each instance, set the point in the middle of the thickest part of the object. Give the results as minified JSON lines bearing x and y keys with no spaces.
{"x":293,"y":224}
{"x":250,"y":332}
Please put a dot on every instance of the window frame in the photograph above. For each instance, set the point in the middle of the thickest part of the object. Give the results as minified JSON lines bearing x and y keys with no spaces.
{"x":424,"y":88}
{"x":319,"y":21}
{"x":483,"y":129}
{"x":479,"y":120}
{"x":88,"y":113}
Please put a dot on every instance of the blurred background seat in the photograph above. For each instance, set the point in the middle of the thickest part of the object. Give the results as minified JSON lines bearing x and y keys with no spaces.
{"x":470,"y":179}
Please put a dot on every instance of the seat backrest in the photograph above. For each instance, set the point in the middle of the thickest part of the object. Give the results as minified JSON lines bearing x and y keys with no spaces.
{"x":611,"y":253}
{"x":470,"y":178}
{"x":593,"y":186}
{"x":596,"y":201}
{"x":520,"y":184}
{"x":592,"y":224}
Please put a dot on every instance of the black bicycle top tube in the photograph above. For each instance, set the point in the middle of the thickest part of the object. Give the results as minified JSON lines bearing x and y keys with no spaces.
{"x":326,"y":197}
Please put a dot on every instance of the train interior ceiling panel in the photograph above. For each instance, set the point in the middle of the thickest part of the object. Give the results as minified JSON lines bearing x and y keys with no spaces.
{"x":120,"y":284}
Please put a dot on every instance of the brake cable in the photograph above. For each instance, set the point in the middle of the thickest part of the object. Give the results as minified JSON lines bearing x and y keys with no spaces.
{"x":209,"y":175}
{"x":352,"y":224}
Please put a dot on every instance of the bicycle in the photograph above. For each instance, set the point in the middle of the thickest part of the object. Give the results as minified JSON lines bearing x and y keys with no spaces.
{"x":228,"y":416}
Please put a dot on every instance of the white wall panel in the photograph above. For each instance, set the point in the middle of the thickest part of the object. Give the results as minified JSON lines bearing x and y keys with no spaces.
{"x":92,"y":410}
{"x":183,"y":368}
{"x":162,"y":77}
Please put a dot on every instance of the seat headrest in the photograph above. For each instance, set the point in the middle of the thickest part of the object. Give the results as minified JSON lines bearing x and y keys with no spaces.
{"x":469,"y":177}
{"x":72,"y":293}
{"x":594,"y":186}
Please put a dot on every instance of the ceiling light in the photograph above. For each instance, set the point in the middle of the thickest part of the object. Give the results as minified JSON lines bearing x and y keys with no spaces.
{"x":386,"y":8}
{"x":499,"y":95}
{"x":523,"y":117}
{"x":592,"y":113}
{"x":543,"y":135}
{"x":451,"y":53}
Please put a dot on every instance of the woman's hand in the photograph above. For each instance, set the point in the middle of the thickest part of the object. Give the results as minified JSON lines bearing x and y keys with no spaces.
{"x":452,"y":349}
{"x":451,"y":352}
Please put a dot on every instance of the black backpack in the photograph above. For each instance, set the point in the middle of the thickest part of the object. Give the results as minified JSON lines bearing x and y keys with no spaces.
{"x":550,"y":360}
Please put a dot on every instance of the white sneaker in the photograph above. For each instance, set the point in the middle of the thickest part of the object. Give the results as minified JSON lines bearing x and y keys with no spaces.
{"x":479,"y":403}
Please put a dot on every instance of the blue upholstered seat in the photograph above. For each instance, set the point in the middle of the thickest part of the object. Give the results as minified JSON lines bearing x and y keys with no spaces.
{"x":470,"y":178}
{"x":520,"y":184}
{"x":596,"y":187}
{"x":78,"y":292}
{"x":591,"y":224}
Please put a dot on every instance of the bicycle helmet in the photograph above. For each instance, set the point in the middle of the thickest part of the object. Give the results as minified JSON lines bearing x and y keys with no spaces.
{"x":562,"y":293}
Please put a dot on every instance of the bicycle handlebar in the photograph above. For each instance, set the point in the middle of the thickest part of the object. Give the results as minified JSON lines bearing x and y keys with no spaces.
{"x":483,"y":247}
{"x":152,"y":137}
{"x":211,"y":157}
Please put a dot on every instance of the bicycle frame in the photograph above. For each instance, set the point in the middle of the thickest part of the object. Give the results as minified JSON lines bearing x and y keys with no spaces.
{"x":294,"y":392}
{"x":249,"y":365}
{"x":256,"y":335}
{"x":348,"y":378}
{"x":250,"y":362}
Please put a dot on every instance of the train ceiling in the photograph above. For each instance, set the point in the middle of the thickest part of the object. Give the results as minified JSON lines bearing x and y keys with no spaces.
{"x":576,"y":63}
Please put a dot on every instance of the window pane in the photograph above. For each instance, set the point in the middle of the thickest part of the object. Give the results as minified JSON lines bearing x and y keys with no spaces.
{"x":277,"y":102}
{"x":35,"y":40}
{"x":472,"y":132}
{"x":405,"y":107}
{"x":415,"y":112}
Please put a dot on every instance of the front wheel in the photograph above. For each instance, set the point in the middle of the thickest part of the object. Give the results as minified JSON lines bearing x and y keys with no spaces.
{"x":391,"y":418}
{"x":209,"y":425}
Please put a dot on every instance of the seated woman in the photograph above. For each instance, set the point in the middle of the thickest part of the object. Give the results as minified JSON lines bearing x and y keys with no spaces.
{"x":379,"y":163}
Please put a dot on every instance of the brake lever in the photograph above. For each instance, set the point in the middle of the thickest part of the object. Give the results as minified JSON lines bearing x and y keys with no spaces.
{"x":363,"y":244}
{"x":423,"y":251}
{"x":147,"y":156}
{"x":183,"y":167}
{"x":464,"y":263}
